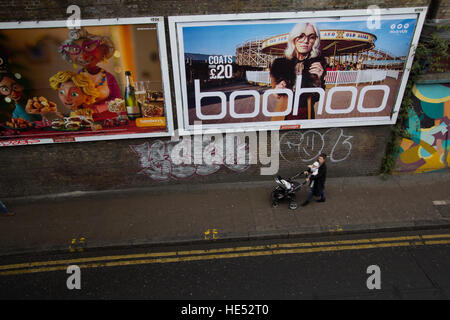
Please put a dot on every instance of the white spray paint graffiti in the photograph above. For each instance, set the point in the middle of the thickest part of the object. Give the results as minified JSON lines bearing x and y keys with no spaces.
{"x":155,"y":161}
{"x":155,"y":158}
{"x":309,"y":145}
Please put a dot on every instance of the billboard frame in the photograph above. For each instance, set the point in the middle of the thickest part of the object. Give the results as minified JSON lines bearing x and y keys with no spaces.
{"x":162,"y":51}
{"x":175,"y":27}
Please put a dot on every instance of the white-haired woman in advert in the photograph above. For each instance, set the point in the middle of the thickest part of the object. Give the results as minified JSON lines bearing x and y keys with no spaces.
{"x":304,"y":56}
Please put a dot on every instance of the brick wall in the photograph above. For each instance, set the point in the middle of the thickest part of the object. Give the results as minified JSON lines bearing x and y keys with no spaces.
{"x":54,"y":10}
{"x":440,"y":9}
{"x":55,"y":168}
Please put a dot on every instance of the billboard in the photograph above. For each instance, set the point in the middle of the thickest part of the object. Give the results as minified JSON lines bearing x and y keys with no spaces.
{"x":107,"y":79}
{"x":261,"y":71}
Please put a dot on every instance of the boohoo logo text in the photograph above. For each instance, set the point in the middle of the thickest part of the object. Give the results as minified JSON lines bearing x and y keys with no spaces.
{"x":293,"y":101}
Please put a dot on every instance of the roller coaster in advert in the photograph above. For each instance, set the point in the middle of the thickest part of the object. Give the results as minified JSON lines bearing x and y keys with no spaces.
{"x":351,"y":55}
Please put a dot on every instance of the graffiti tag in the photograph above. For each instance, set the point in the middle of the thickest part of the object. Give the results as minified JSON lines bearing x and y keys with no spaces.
{"x":307,"y":146}
{"x":155,"y":160}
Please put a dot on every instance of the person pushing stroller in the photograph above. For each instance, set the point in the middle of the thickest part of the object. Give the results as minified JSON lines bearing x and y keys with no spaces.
{"x":287,"y":187}
{"x":316,"y":176}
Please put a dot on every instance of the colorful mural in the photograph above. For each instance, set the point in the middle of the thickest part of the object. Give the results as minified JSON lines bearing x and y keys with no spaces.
{"x":427,"y":148}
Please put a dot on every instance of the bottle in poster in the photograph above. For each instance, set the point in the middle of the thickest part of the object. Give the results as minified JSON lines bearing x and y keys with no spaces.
{"x":133,"y":110}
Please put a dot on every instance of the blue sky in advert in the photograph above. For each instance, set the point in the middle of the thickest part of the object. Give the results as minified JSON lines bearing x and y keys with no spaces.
{"x":393,"y":36}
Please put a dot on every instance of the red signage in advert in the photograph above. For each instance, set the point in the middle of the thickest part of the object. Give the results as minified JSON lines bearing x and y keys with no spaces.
{"x":18,"y":142}
{"x":63,"y":139}
{"x":106,"y":80}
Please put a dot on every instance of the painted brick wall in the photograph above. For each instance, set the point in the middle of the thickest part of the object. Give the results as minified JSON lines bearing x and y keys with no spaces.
{"x":427,"y":148}
{"x":44,"y":169}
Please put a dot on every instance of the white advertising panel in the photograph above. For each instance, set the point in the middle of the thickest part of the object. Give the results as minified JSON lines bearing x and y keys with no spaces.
{"x":261,"y":71}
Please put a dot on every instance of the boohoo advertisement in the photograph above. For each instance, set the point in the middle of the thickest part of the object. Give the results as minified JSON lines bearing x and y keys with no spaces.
{"x":292,"y":70}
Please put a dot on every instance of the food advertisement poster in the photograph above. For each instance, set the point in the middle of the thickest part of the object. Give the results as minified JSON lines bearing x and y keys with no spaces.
{"x":107,"y":79}
{"x":292,"y":70}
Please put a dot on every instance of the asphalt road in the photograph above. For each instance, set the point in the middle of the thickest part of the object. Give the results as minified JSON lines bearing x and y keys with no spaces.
{"x":412,"y":265}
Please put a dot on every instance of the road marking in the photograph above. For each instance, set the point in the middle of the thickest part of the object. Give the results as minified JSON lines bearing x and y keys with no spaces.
{"x":74,"y":246}
{"x":437,"y":242}
{"x":209,"y":257}
{"x":223,"y":253}
{"x":84,"y":260}
{"x":210,"y":251}
{"x":435,"y":236}
{"x":336,"y":228}
{"x":211,"y":232}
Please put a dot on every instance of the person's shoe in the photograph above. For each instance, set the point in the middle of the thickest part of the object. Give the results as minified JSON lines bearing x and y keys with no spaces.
{"x":321,"y":200}
{"x":304,"y":204}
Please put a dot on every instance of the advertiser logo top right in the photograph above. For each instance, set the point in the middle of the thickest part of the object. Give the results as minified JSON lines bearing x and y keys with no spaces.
{"x":399,"y":28}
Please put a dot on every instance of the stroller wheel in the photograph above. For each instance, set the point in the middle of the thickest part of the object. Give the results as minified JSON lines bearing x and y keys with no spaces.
{"x":293,"y":202}
{"x":274,"y":204}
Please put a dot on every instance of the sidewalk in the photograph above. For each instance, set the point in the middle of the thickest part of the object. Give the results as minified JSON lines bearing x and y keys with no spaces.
{"x":183,"y":213}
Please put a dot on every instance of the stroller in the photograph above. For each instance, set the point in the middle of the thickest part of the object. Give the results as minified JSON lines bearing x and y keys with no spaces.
{"x":286,"y":189}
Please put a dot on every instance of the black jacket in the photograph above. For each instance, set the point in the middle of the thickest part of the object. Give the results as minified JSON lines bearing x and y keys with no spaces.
{"x":308,"y":81}
{"x":319,"y":180}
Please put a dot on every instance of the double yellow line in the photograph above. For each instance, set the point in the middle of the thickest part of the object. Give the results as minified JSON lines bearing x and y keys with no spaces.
{"x":223,"y":253}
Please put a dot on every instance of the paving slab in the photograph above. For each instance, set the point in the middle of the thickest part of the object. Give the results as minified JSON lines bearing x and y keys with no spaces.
{"x":237,"y":211}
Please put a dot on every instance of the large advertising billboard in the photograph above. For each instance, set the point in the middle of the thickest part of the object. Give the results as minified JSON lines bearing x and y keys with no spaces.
{"x":106,"y":79}
{"x":292,"y":70}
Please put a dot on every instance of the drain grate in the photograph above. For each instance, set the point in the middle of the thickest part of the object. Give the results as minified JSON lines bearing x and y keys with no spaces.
{"x":443,"y":207}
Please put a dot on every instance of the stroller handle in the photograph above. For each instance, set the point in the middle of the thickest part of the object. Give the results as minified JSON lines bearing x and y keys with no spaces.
{"x":300,"y":173}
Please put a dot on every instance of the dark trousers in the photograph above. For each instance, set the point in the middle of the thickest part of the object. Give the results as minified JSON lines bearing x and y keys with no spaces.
{"x":3,"y":208}
{"x":311,"y":194}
